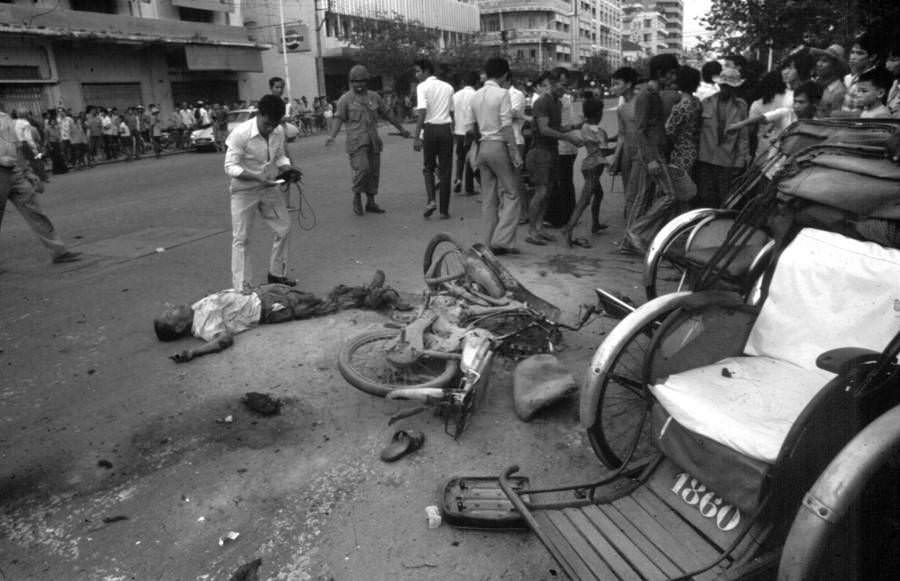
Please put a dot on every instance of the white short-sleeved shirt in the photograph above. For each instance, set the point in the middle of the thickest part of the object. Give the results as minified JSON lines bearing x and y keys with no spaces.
{"x":517,"y":101}
{"x":462,"y":109}
{"x":228,"y":310}
{"x":436,"y":97}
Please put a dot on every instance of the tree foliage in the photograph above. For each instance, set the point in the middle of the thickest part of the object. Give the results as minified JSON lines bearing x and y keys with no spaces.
{"x":388,"y":45}
{"x":597,"y":67}
{"x":757,"y":24}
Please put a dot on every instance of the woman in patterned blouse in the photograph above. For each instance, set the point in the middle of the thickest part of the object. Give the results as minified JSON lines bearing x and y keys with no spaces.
{"x":683,"y":124}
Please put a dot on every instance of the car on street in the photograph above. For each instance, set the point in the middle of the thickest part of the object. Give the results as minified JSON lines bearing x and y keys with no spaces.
{"x":203,"y":139}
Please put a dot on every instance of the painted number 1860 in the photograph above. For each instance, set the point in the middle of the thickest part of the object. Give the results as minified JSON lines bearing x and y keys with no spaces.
{"x":694,"y":493}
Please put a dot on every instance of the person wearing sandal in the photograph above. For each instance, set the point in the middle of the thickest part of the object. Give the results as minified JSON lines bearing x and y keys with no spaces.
{"x":541,"y":159}
{"x":498,"y":158}
{"x":20,"y":185}
{"x":595,"y":141}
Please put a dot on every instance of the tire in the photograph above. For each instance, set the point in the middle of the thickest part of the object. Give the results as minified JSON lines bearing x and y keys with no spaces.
{"x":431,"y":253}
{"x":624,"y":406}
{"x":665,"y":275}
{"x":362,"y":363}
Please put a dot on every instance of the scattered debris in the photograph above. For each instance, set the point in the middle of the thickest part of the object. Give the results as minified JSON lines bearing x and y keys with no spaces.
{"x":247,"y":572}
{"x":229,"y":538}
{"x":105,"y":464}
{"x":262,"y":403}
{"x":727,"y":373}
{"x":160,"y":249}
{"x":226,"y":420}
{"x":434,"y":516}
{"x":117,"y":518}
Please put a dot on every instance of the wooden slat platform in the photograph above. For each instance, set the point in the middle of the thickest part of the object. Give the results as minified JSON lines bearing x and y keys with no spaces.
{"x":649,"y":534}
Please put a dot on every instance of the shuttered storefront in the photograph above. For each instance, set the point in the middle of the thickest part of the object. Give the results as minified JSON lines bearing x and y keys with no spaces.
{"x":29,"y":97}
{"x":119,"y":95}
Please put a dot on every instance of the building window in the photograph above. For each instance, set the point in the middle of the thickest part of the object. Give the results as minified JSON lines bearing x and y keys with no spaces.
{"x":195,"y":15}
{"x":533,"y":53}
{"x":490,"y":23}
{"x":105,"y":6}
{"x":520,"y":54}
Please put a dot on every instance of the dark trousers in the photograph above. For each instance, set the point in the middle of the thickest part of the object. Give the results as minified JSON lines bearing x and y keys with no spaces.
{"x":713,"y":184}
{"x":437,"y":147}
{"x":463,"y":143}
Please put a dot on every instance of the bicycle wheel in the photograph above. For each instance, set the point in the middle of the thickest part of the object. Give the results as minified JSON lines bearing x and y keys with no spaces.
{"x":363,"y":364}
{"x":666,"y":272}
{"x":444,"y":258}
{"x":622,"y":423}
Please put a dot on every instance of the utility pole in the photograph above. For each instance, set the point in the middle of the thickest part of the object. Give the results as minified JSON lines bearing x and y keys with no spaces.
{"x":320,"y":61}
{"x":284,"y":53}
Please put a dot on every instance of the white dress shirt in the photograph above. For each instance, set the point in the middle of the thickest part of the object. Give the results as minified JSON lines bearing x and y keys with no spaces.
{"x":462,"y":110}
{"x":249,"y":152}
{"x":436,"y":97}
{"x":517,"y":101}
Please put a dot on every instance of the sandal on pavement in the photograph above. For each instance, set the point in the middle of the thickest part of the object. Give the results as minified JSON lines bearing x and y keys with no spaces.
{"x":547,"y":237}
{"x":579,"y":242}
{"x":67,"y":256}
{"x":536,"y":240}
{"x":402,"y":443}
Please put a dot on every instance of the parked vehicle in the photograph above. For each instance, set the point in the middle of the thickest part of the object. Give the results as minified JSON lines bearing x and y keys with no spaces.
{"x":204,"y":139}
{"x":751,"y":430}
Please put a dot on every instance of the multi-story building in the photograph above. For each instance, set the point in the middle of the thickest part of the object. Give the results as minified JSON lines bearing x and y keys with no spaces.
{"x":120,"y":53}
{"x":656,"y":25}
{"x":673,"y":13}
{"x":319,"y":54}
{"x":546,"y":33}
{"x":646,"y":28}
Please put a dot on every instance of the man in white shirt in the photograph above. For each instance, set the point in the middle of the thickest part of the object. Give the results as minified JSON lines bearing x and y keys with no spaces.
{"x":434,"y":134}
{"x":498,"y":159}
{"x":254,"y":158}
{"x":462,"y":118}
{"x":517,"y":100}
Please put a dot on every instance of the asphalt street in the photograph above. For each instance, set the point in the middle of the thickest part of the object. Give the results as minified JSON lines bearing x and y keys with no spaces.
{"x":112,"y":462}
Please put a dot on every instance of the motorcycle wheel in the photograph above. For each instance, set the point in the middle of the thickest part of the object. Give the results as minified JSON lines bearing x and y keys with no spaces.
{"x":363,"y":364}
{"x":622,"y":430}
{"x":443,"y":247}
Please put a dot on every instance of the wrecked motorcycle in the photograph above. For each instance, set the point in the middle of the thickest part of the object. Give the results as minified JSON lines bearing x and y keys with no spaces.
{"x":473,"y":309}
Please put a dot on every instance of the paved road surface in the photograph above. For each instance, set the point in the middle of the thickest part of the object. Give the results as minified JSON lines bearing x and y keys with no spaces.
{"x":97,"y":423}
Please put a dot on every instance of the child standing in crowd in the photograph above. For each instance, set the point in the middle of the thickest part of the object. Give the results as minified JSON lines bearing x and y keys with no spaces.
{"x":595,"y":141}
{"x":124,"y":137}
{"x":871,"y":91}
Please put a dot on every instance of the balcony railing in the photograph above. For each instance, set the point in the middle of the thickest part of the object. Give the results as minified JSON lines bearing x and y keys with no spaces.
{"x":495,"y":6}
{"x":61,"y":23}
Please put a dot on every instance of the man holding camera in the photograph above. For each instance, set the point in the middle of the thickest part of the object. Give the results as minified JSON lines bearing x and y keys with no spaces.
{"x":256,"y":163}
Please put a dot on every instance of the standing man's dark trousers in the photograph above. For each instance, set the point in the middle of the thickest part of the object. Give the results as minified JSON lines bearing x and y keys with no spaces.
{"x":437,"y":146}
{"x":463,"y":143}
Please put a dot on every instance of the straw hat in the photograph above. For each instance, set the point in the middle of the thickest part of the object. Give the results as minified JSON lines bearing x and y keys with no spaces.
{"x":731,"y":77}
{"x":835,"y":52}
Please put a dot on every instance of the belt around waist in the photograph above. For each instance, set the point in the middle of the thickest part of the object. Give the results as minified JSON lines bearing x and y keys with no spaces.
{"x":448,"y":124}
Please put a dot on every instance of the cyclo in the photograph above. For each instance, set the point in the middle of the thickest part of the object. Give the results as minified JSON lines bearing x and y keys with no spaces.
{"x":473,"y":308}
{"x":751,"y":425}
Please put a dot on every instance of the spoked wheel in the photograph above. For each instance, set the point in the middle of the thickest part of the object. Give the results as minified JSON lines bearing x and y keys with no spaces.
{"x":444,"y":259}
{"x":363,"y":363}
{"x":667,"y":271}
{"x":623,"y":420}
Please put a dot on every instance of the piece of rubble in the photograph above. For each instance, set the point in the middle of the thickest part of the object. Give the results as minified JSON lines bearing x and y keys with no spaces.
{"x":262,"y":403}
{"x":538,"y":381}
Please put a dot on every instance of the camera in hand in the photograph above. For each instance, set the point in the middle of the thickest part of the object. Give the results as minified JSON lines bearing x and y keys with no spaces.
{"x":290,"y":175}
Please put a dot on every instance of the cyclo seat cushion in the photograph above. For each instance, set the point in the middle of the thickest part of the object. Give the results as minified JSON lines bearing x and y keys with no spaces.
{"x":827,"y":291}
